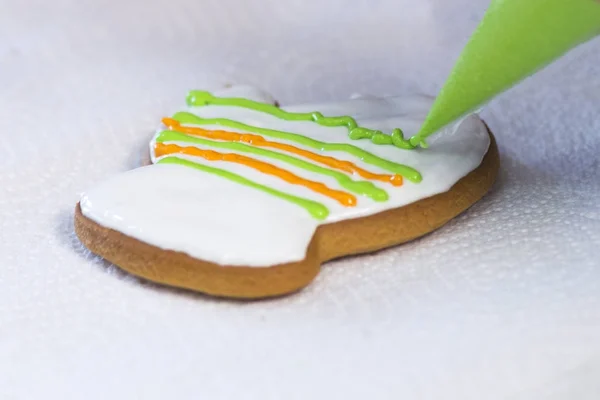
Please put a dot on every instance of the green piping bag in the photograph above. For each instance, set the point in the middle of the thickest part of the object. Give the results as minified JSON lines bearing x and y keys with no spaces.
{"x":515,"y":39}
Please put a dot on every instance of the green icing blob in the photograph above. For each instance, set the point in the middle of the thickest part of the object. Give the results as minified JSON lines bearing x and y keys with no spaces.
{"x":317,"y":210}
{"x":407,"y":172}
{"x":202,"y":98}
{"x":515,"y":39}
{"x":361,"y":187}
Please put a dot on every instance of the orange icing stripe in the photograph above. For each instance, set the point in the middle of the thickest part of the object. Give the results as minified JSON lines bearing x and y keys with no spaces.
{"x":343,"y":198}
{"x":257,"y":140}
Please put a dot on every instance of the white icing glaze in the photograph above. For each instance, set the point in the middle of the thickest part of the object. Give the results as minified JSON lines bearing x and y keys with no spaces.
{"x":213,"y":219}
{"x":203,"y":215}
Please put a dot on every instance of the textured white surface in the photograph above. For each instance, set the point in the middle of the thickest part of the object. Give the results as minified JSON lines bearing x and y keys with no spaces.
{"x":503,"y":303}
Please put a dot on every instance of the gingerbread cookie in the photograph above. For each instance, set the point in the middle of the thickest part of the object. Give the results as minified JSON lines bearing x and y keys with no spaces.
{"x":247,"y":199}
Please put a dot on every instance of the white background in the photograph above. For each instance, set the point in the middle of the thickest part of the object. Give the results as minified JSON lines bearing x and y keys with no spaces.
{"x":502,"y":303}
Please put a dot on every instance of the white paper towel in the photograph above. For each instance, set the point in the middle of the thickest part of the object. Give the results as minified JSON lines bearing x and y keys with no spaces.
{"x":503,"y":303}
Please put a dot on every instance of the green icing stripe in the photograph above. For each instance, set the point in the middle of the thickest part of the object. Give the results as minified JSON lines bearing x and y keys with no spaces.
{"x":202,"y":98}
{"x":406,"y":171}
{"x":317,"y":210}
{"x":361,"y":187}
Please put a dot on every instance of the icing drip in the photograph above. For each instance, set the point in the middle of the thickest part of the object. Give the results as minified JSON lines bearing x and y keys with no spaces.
{"x":359,"y":187}
{"x":259,"y":141}
{"x":343,"y":198}
{"x":201,"y":98}
{"x":407,"y":172}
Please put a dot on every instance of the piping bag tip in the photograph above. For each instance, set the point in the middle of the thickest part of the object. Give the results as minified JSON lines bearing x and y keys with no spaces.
{"x":515,"y":39}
